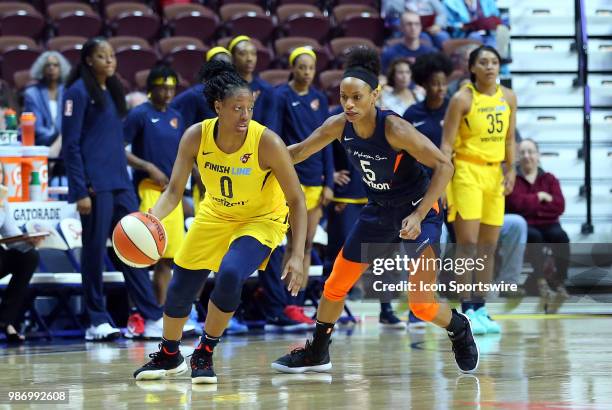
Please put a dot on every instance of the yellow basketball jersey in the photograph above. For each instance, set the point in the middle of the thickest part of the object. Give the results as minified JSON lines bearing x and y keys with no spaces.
{"x":237,"y":189}
{"x":482,"y":133}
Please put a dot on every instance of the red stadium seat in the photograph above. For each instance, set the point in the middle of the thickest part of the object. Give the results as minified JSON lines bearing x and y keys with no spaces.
{"x":128,"y":41}
{"x":20,"y":19}
{"x":341,"y":45}
{"x":69,"y":46}
{"x":74,"y":19}
{"x":364,"y":25}
{"x":309,"y":2}
{"x":275,"y":77}
{"x":17,"y":58}
{"x":191,"y":20}
{"x":228,"y":11}
{"x":284,"y":46}
{"x":330,"y":84}
{"x":131,"y":59}
{"x":132,"y":19}
{"x":303,"y":20}
{"x":7,"y":42}
{"x":184,"y":54}
{"x":22,"y":79}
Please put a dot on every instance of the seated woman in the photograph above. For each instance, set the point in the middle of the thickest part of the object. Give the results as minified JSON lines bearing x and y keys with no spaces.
{"x":538,"y":198}
{"x":44,"y":99}
{"x":397,"y":96}
{"x":19,"y":259}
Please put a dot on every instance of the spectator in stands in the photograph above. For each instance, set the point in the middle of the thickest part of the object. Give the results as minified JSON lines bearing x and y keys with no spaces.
{"x":433,"y":19}
{"x":244,"y":55}
{"x":44,"y":99}
{"x":155,"y":130}
{"x":96,"y":166}
{"x":191,"y":103}
{"x":469,"y":18}
{"x":8,"y":99}
{"x":411,"y":47}
{"x":537,"y":196}
{"x":301,"y":110}
{"x":399,"y":93}
{"x":461,"y":71}
{"x":19,"y":259}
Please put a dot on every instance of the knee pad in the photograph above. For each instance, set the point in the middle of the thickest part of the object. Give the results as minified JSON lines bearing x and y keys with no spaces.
{"x":425,"y":310}
{"x":183,"y":291}
{"x":228,"y":287}
{"x":342,"y":278}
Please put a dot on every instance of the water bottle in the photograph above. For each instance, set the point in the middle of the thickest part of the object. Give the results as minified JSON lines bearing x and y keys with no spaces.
{"x":35,"y":187}
{"x":10,"y":119}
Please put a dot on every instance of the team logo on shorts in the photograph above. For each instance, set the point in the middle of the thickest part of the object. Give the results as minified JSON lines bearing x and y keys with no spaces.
{"x":314,"y":104}
{"x":174,"y":122}
{"x":245,"y":158}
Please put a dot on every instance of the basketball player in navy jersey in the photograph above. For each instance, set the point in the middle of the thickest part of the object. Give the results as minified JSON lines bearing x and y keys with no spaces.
{"x":403,"y":207}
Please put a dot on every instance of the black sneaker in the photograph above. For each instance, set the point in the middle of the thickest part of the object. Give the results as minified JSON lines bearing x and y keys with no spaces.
{"x":465,"y":349}
{"x":283,"y":324}
{"x":303,"y":360}
{"x":388,"y":320}
{"x":161,"y":365}
{"x":202,"y":371}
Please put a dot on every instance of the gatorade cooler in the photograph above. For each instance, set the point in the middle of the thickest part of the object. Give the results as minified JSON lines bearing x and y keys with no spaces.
{"x":35,"y":159}
{"x":11,"y":158}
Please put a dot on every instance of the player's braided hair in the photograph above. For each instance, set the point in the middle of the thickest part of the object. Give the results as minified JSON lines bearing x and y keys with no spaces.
{"x":220,"y":80}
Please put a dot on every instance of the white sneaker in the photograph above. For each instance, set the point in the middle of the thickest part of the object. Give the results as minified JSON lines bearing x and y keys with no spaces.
{"x":102,"y":332}
{"x":153,"y":329}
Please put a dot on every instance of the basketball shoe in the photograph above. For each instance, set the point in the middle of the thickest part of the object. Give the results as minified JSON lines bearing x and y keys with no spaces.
{"x":102,"y":332}
{"x":135,"y":326}
{"x":202,"y":370}
{"x":388,"y":320}
{"x":296,"y":313}
{"x":162,"y":364}
{"x":477,"y":327}
{"x":490,"y":325}
{"x":465,"y":349}
{"x":304,"y":359}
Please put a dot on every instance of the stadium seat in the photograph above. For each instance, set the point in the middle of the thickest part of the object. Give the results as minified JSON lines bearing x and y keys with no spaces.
{"x":547,"y":90}
{"x":264,"y":56}
{"x":600,"y":54}
{"x":537,"y":18}
{"x":601,"y":89}
{"x":192,"y":20}
{"x":122,"y":41}
{"x":132,"y":19}
{"x":364,"y":24}
{"x":20,"y":19}
{"x":303,"y":20}
{"x":275,"y":76}
{"x":72,"y":230}
{"x":7,"y":42}
{"x":69,"y":46}
{"x":601,"y":121}
{"x":330,"y":84}
{"x":22,"y":79}
{"x":53,"y":249}
{"x":284,"y":46}
{"x":341,"y":45}
{"x":241,"y":20}
{"x":74,"y":19}
{"x":184,"y":54}
{"x":13,"y":59}
{"x":552,"y":125}
{"x":530,"y":55}
{"x":309,"y":2}
{"x":133,"y":58}
{"x":342,"y":11}
{"x":598,"y":14}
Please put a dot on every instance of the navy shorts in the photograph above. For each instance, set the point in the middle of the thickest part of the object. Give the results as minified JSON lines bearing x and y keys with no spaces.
{"x":376,"y":233}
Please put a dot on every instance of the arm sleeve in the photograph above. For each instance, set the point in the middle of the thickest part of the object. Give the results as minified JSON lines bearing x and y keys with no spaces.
{"x":132,"y":126}
{"x":440,"y":13}
{"x":72,"y":126}
{"x":523,"y":204}
{"x":44,"y":135}
{"x":10,"y":229}
{"x":557,"y":206}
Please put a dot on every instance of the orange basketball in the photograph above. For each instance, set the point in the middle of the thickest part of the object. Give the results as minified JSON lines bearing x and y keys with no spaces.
{"x":139,"y":239}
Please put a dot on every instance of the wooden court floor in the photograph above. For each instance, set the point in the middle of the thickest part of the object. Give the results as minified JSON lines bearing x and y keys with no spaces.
{"x":539,"y":362}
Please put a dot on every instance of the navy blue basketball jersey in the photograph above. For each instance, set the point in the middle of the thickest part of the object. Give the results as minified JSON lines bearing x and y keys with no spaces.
{"x":391,"y":178}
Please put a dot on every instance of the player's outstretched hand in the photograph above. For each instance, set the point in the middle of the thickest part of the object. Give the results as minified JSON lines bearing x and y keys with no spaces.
{"x":294,"y":272}
{"x":411,"y":227}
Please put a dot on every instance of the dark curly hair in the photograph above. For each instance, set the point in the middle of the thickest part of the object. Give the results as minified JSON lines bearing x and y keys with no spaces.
{"x":160,"y":71}
{"x":427,"y":65}
{"x":364,"y":58}
{"x":84,"y":71}
{"x":220,"y":80}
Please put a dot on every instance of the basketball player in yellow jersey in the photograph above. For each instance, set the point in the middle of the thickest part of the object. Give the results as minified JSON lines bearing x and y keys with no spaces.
{"x":249,"y":180}
{"x":478,"y":132}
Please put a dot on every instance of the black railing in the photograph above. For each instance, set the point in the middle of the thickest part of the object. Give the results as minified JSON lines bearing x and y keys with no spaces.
{"x":583,"y":71}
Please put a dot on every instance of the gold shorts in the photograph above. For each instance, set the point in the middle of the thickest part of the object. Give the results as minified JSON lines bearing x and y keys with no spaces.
{"x":312,"y":195}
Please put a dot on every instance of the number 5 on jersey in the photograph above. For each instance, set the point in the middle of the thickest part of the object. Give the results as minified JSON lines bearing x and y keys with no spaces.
{"x":370,"y":175}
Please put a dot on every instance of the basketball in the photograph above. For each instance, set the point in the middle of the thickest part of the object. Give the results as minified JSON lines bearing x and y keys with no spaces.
{"x":139,"y":239}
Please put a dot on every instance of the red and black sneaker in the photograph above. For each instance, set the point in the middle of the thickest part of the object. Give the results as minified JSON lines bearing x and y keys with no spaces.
{"x":135,"y":326}
{"x":162,"y":364}
{"x":296,"y":313}
{"x":303,"y":359}
{"x":202,"y":370}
